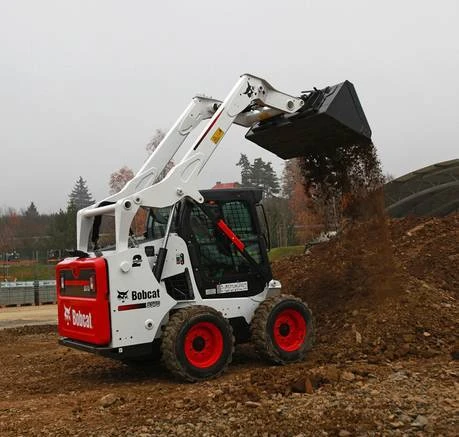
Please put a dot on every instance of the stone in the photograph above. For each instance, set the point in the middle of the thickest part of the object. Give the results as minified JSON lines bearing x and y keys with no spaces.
{"x":398,"y":376}
{"x":344,"y":433}
{"x":303,"y":385}
{"x":396,"y":424}
{"x":308,"y":386}
{"x":253,"y":404}
{"x":330,"y":375}
{"x":347,"y":376}
{"x":409,"y":338}
{"x":107,"y":400}
{"x":404,"y":349}
{"x":420,"y":421}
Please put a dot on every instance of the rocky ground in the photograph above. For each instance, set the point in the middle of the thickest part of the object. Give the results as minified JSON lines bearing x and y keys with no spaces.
{"x":384,"y":295}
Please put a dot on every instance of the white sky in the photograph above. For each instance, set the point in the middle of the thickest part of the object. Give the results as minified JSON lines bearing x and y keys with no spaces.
{"x":84,"y":84}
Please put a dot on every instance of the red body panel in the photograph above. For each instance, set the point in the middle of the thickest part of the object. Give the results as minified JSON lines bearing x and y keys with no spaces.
{"x":83,"y":305}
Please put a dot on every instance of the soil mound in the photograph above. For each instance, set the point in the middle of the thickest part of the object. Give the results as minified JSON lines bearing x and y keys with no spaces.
{"x":381,"y":295}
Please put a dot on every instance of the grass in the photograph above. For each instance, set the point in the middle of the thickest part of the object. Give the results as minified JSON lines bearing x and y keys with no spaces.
{"x":36,"y":271}
{"x":28,"y":272}
{"x":281,"y":252}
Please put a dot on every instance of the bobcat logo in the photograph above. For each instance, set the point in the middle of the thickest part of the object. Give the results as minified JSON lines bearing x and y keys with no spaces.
{"x":123,"y":295}
{"x":67,"y":315}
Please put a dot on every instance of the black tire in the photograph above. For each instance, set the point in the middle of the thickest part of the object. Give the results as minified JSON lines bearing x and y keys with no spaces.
{"x":197,"y":343}
{"x":282,"y":329}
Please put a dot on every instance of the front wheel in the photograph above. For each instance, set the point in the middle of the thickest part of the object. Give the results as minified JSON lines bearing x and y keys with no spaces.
{"x":282,"y":329}
{"x":197,"y":343}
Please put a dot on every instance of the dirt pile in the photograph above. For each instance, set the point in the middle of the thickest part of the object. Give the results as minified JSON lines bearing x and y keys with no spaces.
{"x":379,"y":297}
{"x":382,"y":289}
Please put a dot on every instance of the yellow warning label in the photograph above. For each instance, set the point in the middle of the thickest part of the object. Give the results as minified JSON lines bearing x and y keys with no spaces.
{"x":217,"y":136}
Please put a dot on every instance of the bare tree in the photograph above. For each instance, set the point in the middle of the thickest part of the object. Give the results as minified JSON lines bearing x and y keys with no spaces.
{"x":119,"y":179}
{"x":155,"y":140}
{"x":151,"y":147}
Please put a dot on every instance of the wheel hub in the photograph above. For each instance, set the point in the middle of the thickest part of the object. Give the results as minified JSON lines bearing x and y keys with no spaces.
{"x":198,"y":344}
{"x":284,"y":329}
{"x":203,"y":345}
{"x":289,"y":330}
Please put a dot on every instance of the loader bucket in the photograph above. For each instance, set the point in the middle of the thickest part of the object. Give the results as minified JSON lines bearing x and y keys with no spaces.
{"x":330,"y":118}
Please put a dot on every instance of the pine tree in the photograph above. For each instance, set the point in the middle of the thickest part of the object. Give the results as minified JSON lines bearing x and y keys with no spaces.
{"x":31,"y":211}
{"x":244,"y":163}
{"x":80,"y":197}
{"x":271,"y":185}
{"x":260,"y":174}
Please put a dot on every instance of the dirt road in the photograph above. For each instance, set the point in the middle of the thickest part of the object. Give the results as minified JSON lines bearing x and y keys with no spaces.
{"x":50,"y":390}
{"x":14,"y":317}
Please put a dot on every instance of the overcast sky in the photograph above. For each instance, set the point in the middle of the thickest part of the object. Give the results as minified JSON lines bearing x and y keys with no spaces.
{"x":84,"y":84}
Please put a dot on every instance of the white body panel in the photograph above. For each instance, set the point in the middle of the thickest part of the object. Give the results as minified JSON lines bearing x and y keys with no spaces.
{"x":252,"y":99}
{"x":142,"y":325}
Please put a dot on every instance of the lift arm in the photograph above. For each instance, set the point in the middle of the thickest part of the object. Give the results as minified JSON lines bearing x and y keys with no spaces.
{"x":252,"y":99}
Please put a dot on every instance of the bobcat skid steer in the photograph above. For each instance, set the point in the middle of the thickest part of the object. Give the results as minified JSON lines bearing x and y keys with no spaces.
{"x":162,"y":266}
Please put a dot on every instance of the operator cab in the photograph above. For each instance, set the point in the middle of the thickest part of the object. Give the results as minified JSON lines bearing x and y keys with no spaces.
{"x":236,"y":267}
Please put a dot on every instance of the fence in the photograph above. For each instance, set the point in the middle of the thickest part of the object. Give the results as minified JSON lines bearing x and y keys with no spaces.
{"x":27,"y":293}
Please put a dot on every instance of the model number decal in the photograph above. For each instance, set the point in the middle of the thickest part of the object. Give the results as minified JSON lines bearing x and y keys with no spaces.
{"x":232,"y":287}
{"x":136,"y":306}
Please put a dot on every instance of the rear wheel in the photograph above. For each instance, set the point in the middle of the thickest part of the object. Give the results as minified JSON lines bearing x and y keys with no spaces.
{"x":197,"y":343}
{"x":282,"y":329}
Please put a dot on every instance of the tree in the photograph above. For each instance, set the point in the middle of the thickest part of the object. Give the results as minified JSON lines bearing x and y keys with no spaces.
{"x":244,"y":163}
{"x":260,"y":174}
{"x":270,"y":180}
{"x":31,"y":211}
{"x":62,"y":228}
{"x":388,"y":177}
{"x":9,"y":225}
{"x":151,"y":147}
{"x":80,"y":197}
{"x":155,"y":140}
{"x":119,"y":179}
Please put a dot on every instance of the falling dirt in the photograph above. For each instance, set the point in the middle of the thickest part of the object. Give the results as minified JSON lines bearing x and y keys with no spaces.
{"x":382,"y":364}
{"x":348,"y":174}
{"x":351,"y":178}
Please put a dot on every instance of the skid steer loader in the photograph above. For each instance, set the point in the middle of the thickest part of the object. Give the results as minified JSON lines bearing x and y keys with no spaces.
{"x":164,"y":266}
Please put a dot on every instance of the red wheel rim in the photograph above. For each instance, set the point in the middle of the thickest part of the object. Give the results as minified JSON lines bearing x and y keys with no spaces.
{"x":203,"y":345}
{"x":289,"y":330}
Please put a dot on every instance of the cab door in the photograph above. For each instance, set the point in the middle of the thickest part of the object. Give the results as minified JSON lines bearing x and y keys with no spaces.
{"x":221,"y":269}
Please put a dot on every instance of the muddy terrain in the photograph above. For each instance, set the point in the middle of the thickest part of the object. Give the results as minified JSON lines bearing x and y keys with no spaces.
{"x":384,"y":298}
